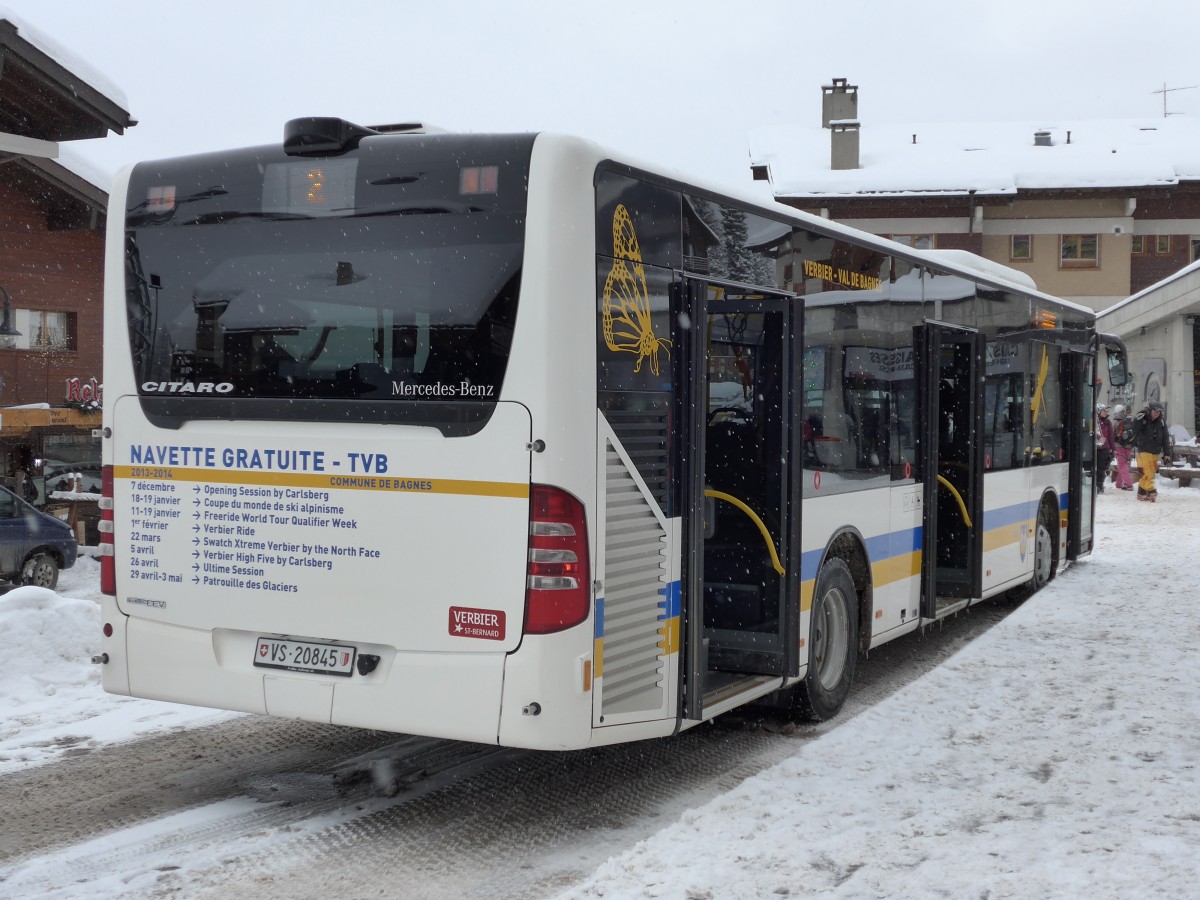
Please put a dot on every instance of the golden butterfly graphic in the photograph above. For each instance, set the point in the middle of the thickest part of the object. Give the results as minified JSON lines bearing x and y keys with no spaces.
{"x":626,"y":304}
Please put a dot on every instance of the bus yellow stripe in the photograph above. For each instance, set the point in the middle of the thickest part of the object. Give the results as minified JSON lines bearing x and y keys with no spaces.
{"x":328,"y":481}
{"x":1010,"y":534}
{"x":906,"y":565}
{"x":670,"y":635}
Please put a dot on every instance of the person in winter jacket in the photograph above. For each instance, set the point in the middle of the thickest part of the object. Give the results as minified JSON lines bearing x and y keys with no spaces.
{"x":1123,"y":450}
{"x":1153,"y":441}
{"x":1106,"y":441}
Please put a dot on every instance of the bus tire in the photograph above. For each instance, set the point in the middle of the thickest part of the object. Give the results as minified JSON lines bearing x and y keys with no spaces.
{"x":1043,"y":554}
{"x":832,"y":644}
{"x":1043,"y":549}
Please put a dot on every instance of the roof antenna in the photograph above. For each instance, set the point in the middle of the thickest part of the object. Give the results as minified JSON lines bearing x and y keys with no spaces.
{"x":1166,"y":90}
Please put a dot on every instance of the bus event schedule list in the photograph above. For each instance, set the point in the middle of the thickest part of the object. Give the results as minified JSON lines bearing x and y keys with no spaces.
{"x":254,"y":537}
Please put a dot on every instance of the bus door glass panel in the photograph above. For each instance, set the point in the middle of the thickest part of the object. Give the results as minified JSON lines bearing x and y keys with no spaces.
{"x":1080,"y":427}
{"x":1004,"y":405}
{"x":952,"y":534}
{"x":1046,"y":442}
{"x":904,"y":411}
{"x":745,"y":481}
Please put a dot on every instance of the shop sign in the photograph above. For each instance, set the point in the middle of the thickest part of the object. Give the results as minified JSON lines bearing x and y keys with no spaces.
{"x":88,"y":392}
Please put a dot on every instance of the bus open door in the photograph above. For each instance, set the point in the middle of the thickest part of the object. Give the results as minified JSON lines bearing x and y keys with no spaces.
{"x":740,"y":630}
{"x":950,"y":385}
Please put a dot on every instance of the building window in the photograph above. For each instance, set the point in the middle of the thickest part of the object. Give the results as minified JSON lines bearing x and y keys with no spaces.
{"x":43,"y":330}
{"x":1137,"y":246}
{"x":1080,"y":251}
{"x":1021,"y":248}
{"x":1162,"y":245}
{"x":916,"y":241}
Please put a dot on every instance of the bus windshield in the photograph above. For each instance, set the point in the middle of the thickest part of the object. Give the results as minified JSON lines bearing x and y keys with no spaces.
{"x":388,"y":274}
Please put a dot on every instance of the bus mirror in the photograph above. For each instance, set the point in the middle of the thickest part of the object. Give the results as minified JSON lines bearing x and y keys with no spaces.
{"x":1118,"y":372}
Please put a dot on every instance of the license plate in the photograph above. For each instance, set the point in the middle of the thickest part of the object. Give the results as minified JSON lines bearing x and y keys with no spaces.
{"x":302,"y":656}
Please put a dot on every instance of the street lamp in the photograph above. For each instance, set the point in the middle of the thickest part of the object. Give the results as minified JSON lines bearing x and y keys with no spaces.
{"x":8,"y":334}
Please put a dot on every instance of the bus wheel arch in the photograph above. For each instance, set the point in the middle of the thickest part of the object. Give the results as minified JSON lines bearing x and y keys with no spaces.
{"x":850,"y":549}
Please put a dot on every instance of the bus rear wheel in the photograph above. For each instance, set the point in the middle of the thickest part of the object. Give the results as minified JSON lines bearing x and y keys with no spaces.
{"x":832,"y":644}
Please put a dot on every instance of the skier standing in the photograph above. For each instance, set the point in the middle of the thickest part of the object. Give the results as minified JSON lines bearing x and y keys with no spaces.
{"x":1153,"y":441}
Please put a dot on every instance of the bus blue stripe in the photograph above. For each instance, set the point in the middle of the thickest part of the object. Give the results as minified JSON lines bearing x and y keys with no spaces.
{"x":672,"y":597}
{"x":1009,"y":515}
{"x":908,"y":540}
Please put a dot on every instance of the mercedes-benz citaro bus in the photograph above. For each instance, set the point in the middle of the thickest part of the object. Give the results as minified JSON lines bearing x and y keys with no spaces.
{"x":513,"y":439}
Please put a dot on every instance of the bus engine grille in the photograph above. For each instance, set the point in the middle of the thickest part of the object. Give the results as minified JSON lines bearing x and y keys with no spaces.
{"x":636,"y":628}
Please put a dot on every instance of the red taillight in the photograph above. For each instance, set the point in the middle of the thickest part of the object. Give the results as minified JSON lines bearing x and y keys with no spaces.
{"x":108,"y":564}
{"x":558,"y":587}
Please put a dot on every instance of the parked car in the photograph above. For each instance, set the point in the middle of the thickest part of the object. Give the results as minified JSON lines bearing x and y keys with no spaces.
{"x":34,"y":546}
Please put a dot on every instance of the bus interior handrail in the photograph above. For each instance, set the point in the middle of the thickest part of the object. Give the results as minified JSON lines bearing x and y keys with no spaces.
{"x":729,"y":498}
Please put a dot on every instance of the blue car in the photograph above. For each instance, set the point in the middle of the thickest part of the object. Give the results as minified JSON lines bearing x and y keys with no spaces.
{"x":34,"y":547}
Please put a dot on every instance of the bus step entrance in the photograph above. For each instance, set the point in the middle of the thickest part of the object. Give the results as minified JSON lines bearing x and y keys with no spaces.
{"x":947,"y":605}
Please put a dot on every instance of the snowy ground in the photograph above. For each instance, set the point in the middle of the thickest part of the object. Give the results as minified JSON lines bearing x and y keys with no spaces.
{"x":1056,"y":756}
{"x":51,"y":703}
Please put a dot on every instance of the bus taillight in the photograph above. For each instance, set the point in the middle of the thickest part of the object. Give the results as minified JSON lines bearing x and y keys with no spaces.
{"x":108,"y":564}
{"x":558,"y":584}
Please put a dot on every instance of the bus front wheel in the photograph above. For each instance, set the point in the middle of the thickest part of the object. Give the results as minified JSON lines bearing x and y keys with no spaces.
{"x":1045,"y":534}
{"x":832,"y":644}
{"x":1043,"y":550}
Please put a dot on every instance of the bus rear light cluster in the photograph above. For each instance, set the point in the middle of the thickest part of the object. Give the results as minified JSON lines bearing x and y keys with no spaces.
{"x":108,"y":563}
{"x":558,"y":586}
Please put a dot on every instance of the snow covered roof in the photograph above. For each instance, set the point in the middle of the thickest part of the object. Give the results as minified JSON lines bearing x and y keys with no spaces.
{"x":49,"y":94}
{"x":988,"y":158}
{"x":73,"y":174}
{"x":1176,"y":295}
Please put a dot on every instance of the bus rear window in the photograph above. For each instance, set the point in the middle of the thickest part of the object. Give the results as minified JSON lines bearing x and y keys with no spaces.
{"x":366,"y":278}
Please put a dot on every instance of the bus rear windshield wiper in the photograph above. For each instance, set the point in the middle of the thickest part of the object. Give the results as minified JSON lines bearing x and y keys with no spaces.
{"x":411,"y":209}
{"x":233,"y":215}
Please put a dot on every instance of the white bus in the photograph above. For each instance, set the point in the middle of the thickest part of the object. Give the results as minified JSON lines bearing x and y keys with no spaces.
{"x":510,"y":439}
